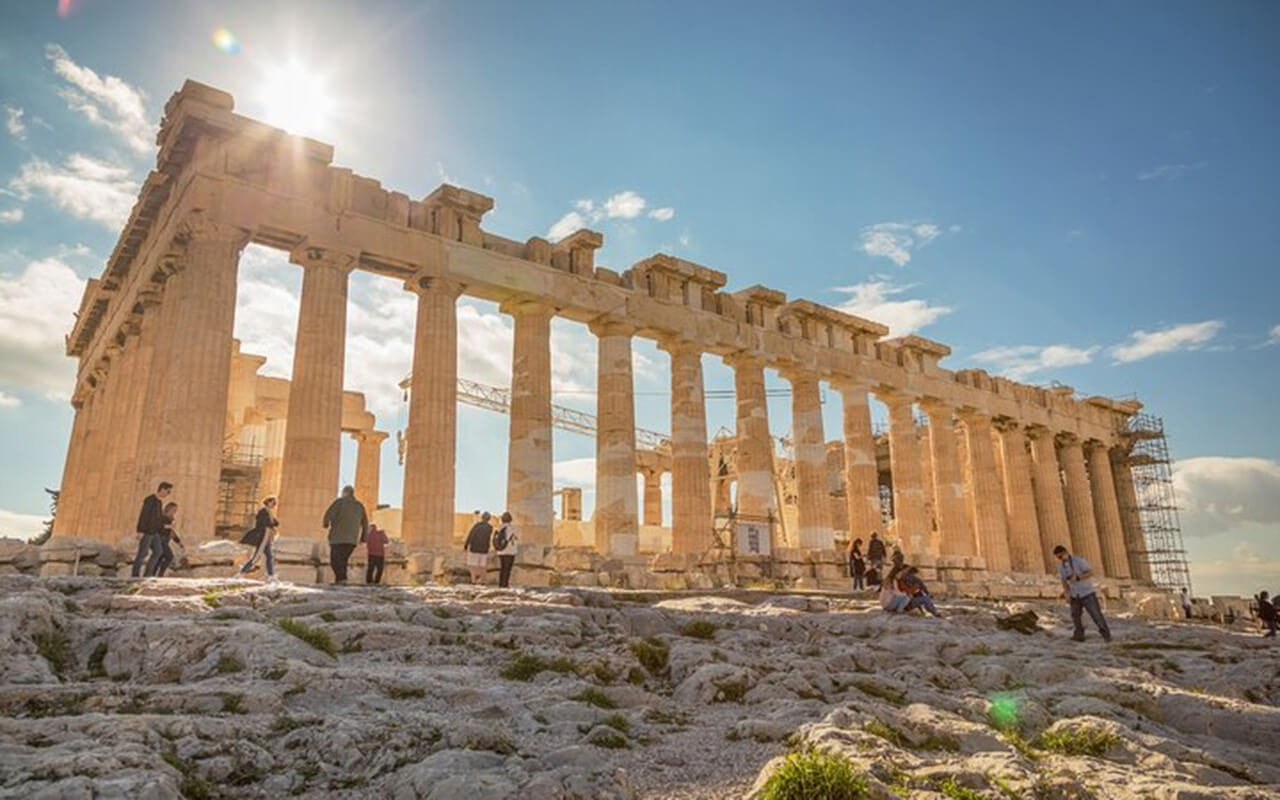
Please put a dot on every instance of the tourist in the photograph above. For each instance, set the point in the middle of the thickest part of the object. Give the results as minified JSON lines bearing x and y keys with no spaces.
{"x":348,"y":525}
{"x":1186,"y":603}
{"x":150,"y":523}
{"x":913,"y":587}
{"x":857,"y":564}
{"x":376,"y":549}
{"x":898,"y":560}
{"x":477,"y":548}
{"x":262,"y":536}
{"x":1075,"y":574}
{"x":876,"y":552}
{"x":892,"y":599}
{"x":1267,"y":614}
{"x":163,"y":553}
{"x":504,"y":545}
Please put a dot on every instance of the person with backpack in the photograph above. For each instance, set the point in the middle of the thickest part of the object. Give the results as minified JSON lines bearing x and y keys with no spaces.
{"x":262,"y":537}
{"x":376,"y":550}
{"x":162,"y":557}
{"x":1267,"y":614}
{"x":504,"y":545}
{"x":857,"y":564}
{"x":477,"y":547}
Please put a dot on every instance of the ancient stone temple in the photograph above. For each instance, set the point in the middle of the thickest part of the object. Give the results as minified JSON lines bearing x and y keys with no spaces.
{"x":977,"y":467}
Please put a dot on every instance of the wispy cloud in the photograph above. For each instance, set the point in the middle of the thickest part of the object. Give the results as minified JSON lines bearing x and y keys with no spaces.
{"x":11,"y":216}
{"x":896,"y":241}
{"x":105,"y":100}
{"x":84,"y":187}
{"x":1169,"y":172}
{"x":1274,"y":336}
{"x":664,"y":214}
{"x":13,"y":122}
{"x":1186,"y":336}
{"x":626,"y":204}
{"x":1022,"y":361}
{"x":1219,"y":492}
{"x":36,"y":308}
{"x":9,"y":401}
{"x":875,"y":300}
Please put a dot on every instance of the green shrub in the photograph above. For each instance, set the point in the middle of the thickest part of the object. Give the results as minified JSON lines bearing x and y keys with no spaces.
{"x":603,"y":672}
{"x":636,"y":676}
{"x":877,"y":728}
{"x":594,"y":697}
{"x":811,"y":775}
{"x":193,"y":787}
{"x":525,"y":666}
{"x":316,"y":638}
{"x":610,"y":741}
{"x":700,"y":629}
{"x":949,"y":788}
{"x":55,"y":647}
{"x":618,"y":722}
{"x":652,"y":654}
{"x":233,"y":704}
{"x":1078,"y":741}
{"x":228,"y":663}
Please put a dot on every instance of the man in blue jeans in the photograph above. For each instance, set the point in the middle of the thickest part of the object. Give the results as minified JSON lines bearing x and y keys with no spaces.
{"x":1075,"y":574}
{"x":151,"y":524}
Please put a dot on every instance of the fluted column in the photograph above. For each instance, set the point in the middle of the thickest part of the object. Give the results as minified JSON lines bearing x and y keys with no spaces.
{"x":1127,"y":494}
{"x":368,"y":467}
{"x":431,"y":436}
{"x":756,"y":499}
{"x":529,"y":458}
{"x":1051,"y":510}
{"x":313,"y":436}
{"x":1106,"y":511}
{"x":272,"y":457}
{"x":986,"y":495}
{"x":97,"y":468}
{"x":117,"y":447}
{"x":1084,"y":527}
{"x":616,"y":524}
{"x":690,"y":468}
{"x":814,"y":510}
{"x":1026,"y":553}
{"x":955,"y":535}
{"x":71,"y":490}
{"x":124,"y":506}
{"x":194,"y":378}
{"x":905,"y":464}
{"x":653,"y":496}
{"x":862,"y":483}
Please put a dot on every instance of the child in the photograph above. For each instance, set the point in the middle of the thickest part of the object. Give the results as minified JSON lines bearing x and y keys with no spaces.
{"x":376,"y":544}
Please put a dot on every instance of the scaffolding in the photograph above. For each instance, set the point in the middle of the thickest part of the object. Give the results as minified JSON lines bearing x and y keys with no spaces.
{"x":1157,"y":505}
{"x":238,"y":487}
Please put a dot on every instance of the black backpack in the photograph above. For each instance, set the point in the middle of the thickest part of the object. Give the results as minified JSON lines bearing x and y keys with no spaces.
{"x":500,"y":539}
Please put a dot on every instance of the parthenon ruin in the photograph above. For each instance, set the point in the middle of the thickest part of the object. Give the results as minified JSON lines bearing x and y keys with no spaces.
{"x":1000,"y":473}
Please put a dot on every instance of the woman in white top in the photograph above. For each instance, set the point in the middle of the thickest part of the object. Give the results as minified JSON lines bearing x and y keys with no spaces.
{"x":504,"y":544}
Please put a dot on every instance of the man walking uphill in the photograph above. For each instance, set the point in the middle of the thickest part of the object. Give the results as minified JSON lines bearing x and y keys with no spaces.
{"x":1075,"y":574}
{"x":151,"y":524}
{"x":348,"y":525}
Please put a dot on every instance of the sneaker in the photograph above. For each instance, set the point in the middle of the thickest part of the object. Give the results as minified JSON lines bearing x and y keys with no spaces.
{"x":272,"y":579}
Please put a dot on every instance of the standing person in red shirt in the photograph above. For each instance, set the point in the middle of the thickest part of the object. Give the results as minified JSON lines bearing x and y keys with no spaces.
{"x":377,"y":547}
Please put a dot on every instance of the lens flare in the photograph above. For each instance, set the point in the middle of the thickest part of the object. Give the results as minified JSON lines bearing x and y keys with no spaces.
{"x":1004,"y":710}
{"x":226,"y":41}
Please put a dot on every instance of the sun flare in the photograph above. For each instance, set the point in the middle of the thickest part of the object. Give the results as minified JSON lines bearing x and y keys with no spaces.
{"x":296,"y":98}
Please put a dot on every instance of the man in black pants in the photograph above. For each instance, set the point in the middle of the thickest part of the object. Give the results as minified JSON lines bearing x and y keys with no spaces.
{"x":151,"y":524}
{"x":348,"y":525}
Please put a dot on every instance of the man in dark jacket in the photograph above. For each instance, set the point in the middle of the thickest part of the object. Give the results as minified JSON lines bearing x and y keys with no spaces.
{"x":875,"y":552}
{"x":477,"y":548}
{"x":348,"y":525}
{"x":151,"y":524}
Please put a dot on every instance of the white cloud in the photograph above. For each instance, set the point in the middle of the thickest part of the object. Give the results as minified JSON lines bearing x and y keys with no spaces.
{"x":579,"y":472}
{"x":36,"y":308}
{"x":1274,"y":336}
{"x":1169,"y":172}
{"x":624,"y":205}
{"x":896,"y":240}
{"x":106,"y":101}
{"x":569,"y":223}
{"x":16,"y":525}
{"x":664,"y":214}
{"x":1186,"y":336}
{"x":13,"y":122}
{"x":1219,"y":492}
{"x":83,"y":186}
{"x":1022,"y":361}
{"x":11,"y":216}
{"x":9,"y":401}
{"x":873,"y":299}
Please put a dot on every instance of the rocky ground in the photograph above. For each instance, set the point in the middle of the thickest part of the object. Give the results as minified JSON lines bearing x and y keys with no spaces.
{"x":207,"y":689}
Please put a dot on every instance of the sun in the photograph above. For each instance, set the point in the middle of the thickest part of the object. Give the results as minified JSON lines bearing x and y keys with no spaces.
{"x":296,"y":98}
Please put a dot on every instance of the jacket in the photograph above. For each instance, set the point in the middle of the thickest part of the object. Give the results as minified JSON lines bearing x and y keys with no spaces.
{"x":346,"y":520}
{"x":151,"y":519}
{"x":875,"y":550}
{"x":478,"y":538}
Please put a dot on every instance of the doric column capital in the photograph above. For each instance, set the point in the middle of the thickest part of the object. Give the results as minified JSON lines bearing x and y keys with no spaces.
{"x":744,"y":359}
{"x":1067,"y":439}
{"x":427,"y":284}
{"x":796,"y":375}
{"x":370,"y":437}
{"x":677,"y":345}
{"x":1006,"y":424}
{"x":310,"y":256}
{"x":936,"y":407}
{"x":527,"y":307}
{"x":610,"y":326}
{"x":1038,"y":432}
{"x":197,"y":226}
{"x":892,"y":396}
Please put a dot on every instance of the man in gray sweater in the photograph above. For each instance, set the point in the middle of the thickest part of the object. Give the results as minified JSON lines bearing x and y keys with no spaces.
{"x":348,"y":525}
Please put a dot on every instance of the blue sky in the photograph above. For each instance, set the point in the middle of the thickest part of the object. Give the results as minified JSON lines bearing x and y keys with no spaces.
{"x":1083,"y":194}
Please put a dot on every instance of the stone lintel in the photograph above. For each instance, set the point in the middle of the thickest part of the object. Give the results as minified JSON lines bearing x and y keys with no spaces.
{"x":468,"y":203}
{"x":680,"y":268}
{"x":310,"y":254}
{"x":763,"y":295}
{"x":854,"y":324}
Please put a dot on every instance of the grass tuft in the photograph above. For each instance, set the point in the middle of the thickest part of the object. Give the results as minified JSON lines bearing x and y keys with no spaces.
{"x":55,"y":647}
{"x":210,"y":599}
{"x":1078,"y":741}
{"x":595,"y":697}
{"x":526,"y":666}
{"x":228,"y":663}
{"x":700,"y":629}
{"x":890,"y":734}
{"x":618,"y":722}
{"x":949,"y":788}
{"x":813,"y":774}
{"x":652,"y":654}
{"x":318,"y":639}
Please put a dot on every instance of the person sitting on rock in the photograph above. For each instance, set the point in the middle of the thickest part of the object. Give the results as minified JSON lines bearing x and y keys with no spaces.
{"x":163,"y":555}
{"x":477,"y":548}
{"x":910,"y":584}
{"x":857,"y":564}
{"x":1267,"y":614}
{"x":892,"y":599}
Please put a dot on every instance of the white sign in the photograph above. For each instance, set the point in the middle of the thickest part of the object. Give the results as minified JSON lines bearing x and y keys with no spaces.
{"x":752,"y":538}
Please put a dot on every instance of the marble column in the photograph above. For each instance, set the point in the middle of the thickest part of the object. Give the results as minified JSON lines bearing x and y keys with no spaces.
{"x":653,"y":496}
{"x":196,"y":374}
{"x":1130,"y":517}
{"x":431,"y":435}
{"x":1084,"y":527}
{"x":69,"y":490}
{"x":756,"y":499}
{"x":1051,"y":510}
{"x":97,"y":472}
{"x":118,"y":447}
{"x":313,"y":437}
{"x":861,"y":481}
{"x":986,"y":495}
{"x":124,"y":505}
{"x":690,"y":467}
{"x":812,"y":494}
{"x":1026,"y":553}
{"x":529,"y":458}
{"x":1106,"y":511}
{"x":272,"y":457}
{"x":616,"y":523}
{"x":955,"y":535}
{"x":910,"y":525}
{"x":368,"y":467}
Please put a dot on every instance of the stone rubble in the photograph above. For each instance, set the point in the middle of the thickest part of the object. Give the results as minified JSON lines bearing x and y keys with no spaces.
{"x":191,"y":687}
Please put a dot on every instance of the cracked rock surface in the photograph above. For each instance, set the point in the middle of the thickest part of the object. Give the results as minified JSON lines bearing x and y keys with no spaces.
{"x":227,"y":688}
